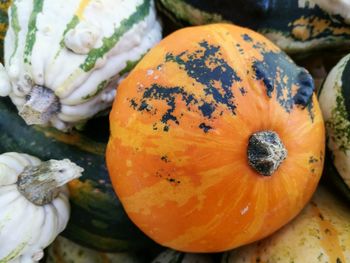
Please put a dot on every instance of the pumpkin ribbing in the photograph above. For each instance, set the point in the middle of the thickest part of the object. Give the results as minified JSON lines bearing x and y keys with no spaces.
{"x":180,"y":126}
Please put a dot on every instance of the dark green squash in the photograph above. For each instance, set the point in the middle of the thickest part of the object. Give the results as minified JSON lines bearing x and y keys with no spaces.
{"x":295,"y":26}
{"x":97,"y":217}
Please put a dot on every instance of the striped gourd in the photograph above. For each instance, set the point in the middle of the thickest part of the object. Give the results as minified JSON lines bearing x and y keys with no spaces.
{"x":63,"y":59}
{"x":297,"y":26}
{"x":334,"y":100}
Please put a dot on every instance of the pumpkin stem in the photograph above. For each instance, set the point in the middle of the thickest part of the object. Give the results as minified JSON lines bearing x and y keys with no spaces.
{"x":41,"y":184}
{"x":41,"y":104}
{"x":266,"y":152}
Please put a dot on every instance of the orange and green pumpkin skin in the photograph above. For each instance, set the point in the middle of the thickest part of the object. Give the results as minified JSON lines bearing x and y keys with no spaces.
{"x":180,"y":126}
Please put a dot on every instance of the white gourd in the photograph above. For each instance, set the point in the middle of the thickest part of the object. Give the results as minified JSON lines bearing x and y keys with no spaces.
{"x":34,"y":206}
{"x":63,"y":59}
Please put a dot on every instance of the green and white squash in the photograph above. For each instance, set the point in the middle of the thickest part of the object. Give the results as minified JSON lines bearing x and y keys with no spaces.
{"x":64,"y":59}
{"x":173,"y":256}
{"x":320,"y":234}
{"x":334,"y":98}
{"x":63,"y":250}
{"x":297,"y":26}
{"x":34,"y":206}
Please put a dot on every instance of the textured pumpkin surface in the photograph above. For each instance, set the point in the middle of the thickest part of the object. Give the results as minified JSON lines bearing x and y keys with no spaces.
{"x":321,"y":233}
{"x":180,"y":126}
{"x":295,"y":26}
{"x":97,"y":217}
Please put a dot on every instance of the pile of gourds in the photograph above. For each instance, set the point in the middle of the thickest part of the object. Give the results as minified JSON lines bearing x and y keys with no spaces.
{"x":205,"y":146}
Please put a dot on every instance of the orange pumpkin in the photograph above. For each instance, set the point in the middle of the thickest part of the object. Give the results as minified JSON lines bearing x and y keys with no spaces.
{"x":217,"y":139}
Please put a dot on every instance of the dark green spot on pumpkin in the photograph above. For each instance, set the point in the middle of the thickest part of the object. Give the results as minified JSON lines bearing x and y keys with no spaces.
{"x":243,"y":91}
{"x":169,"y":95}
{"x":312,"y":159}
{"x":205,"y":127}
{"x":164,"y":158}
{"x":279,"y":74}
{"x":209,"y":68}
{"x":247,"y":38}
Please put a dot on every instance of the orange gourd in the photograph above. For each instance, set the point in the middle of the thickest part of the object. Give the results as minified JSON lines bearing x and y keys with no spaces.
{"x":217,"y":139}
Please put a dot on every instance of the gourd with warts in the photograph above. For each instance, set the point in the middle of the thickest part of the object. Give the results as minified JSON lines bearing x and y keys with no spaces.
{"x":64,"y":59}
{"x":221,"y":139}
{"x":34,"y":206}
{"x":334,"y":98}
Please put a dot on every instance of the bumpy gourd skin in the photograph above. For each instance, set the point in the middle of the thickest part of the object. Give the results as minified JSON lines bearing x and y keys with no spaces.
{"x":27,"y":228}
{"x":63,"y":59}
{"x":180,"y":127}
{"x":334,"y":100}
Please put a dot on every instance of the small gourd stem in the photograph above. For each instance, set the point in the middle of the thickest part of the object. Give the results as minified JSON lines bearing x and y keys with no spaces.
{"x":41,"y":184}
{"x":41,"y":105}
{"x":266,"y":152}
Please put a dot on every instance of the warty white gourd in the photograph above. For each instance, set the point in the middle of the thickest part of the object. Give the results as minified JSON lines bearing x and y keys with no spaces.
{"x":34,"y":206}
{"x":64,"y":59}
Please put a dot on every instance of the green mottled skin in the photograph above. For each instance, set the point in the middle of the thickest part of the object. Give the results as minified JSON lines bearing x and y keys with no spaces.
{"x":339,"y":123}
{"x":109,"y":42}
{"x":15,"y":26}
{"x":97,"y":217}
{"x":32,"y":29}
{"x":100,"y":87}
{"x":129,"y":66}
